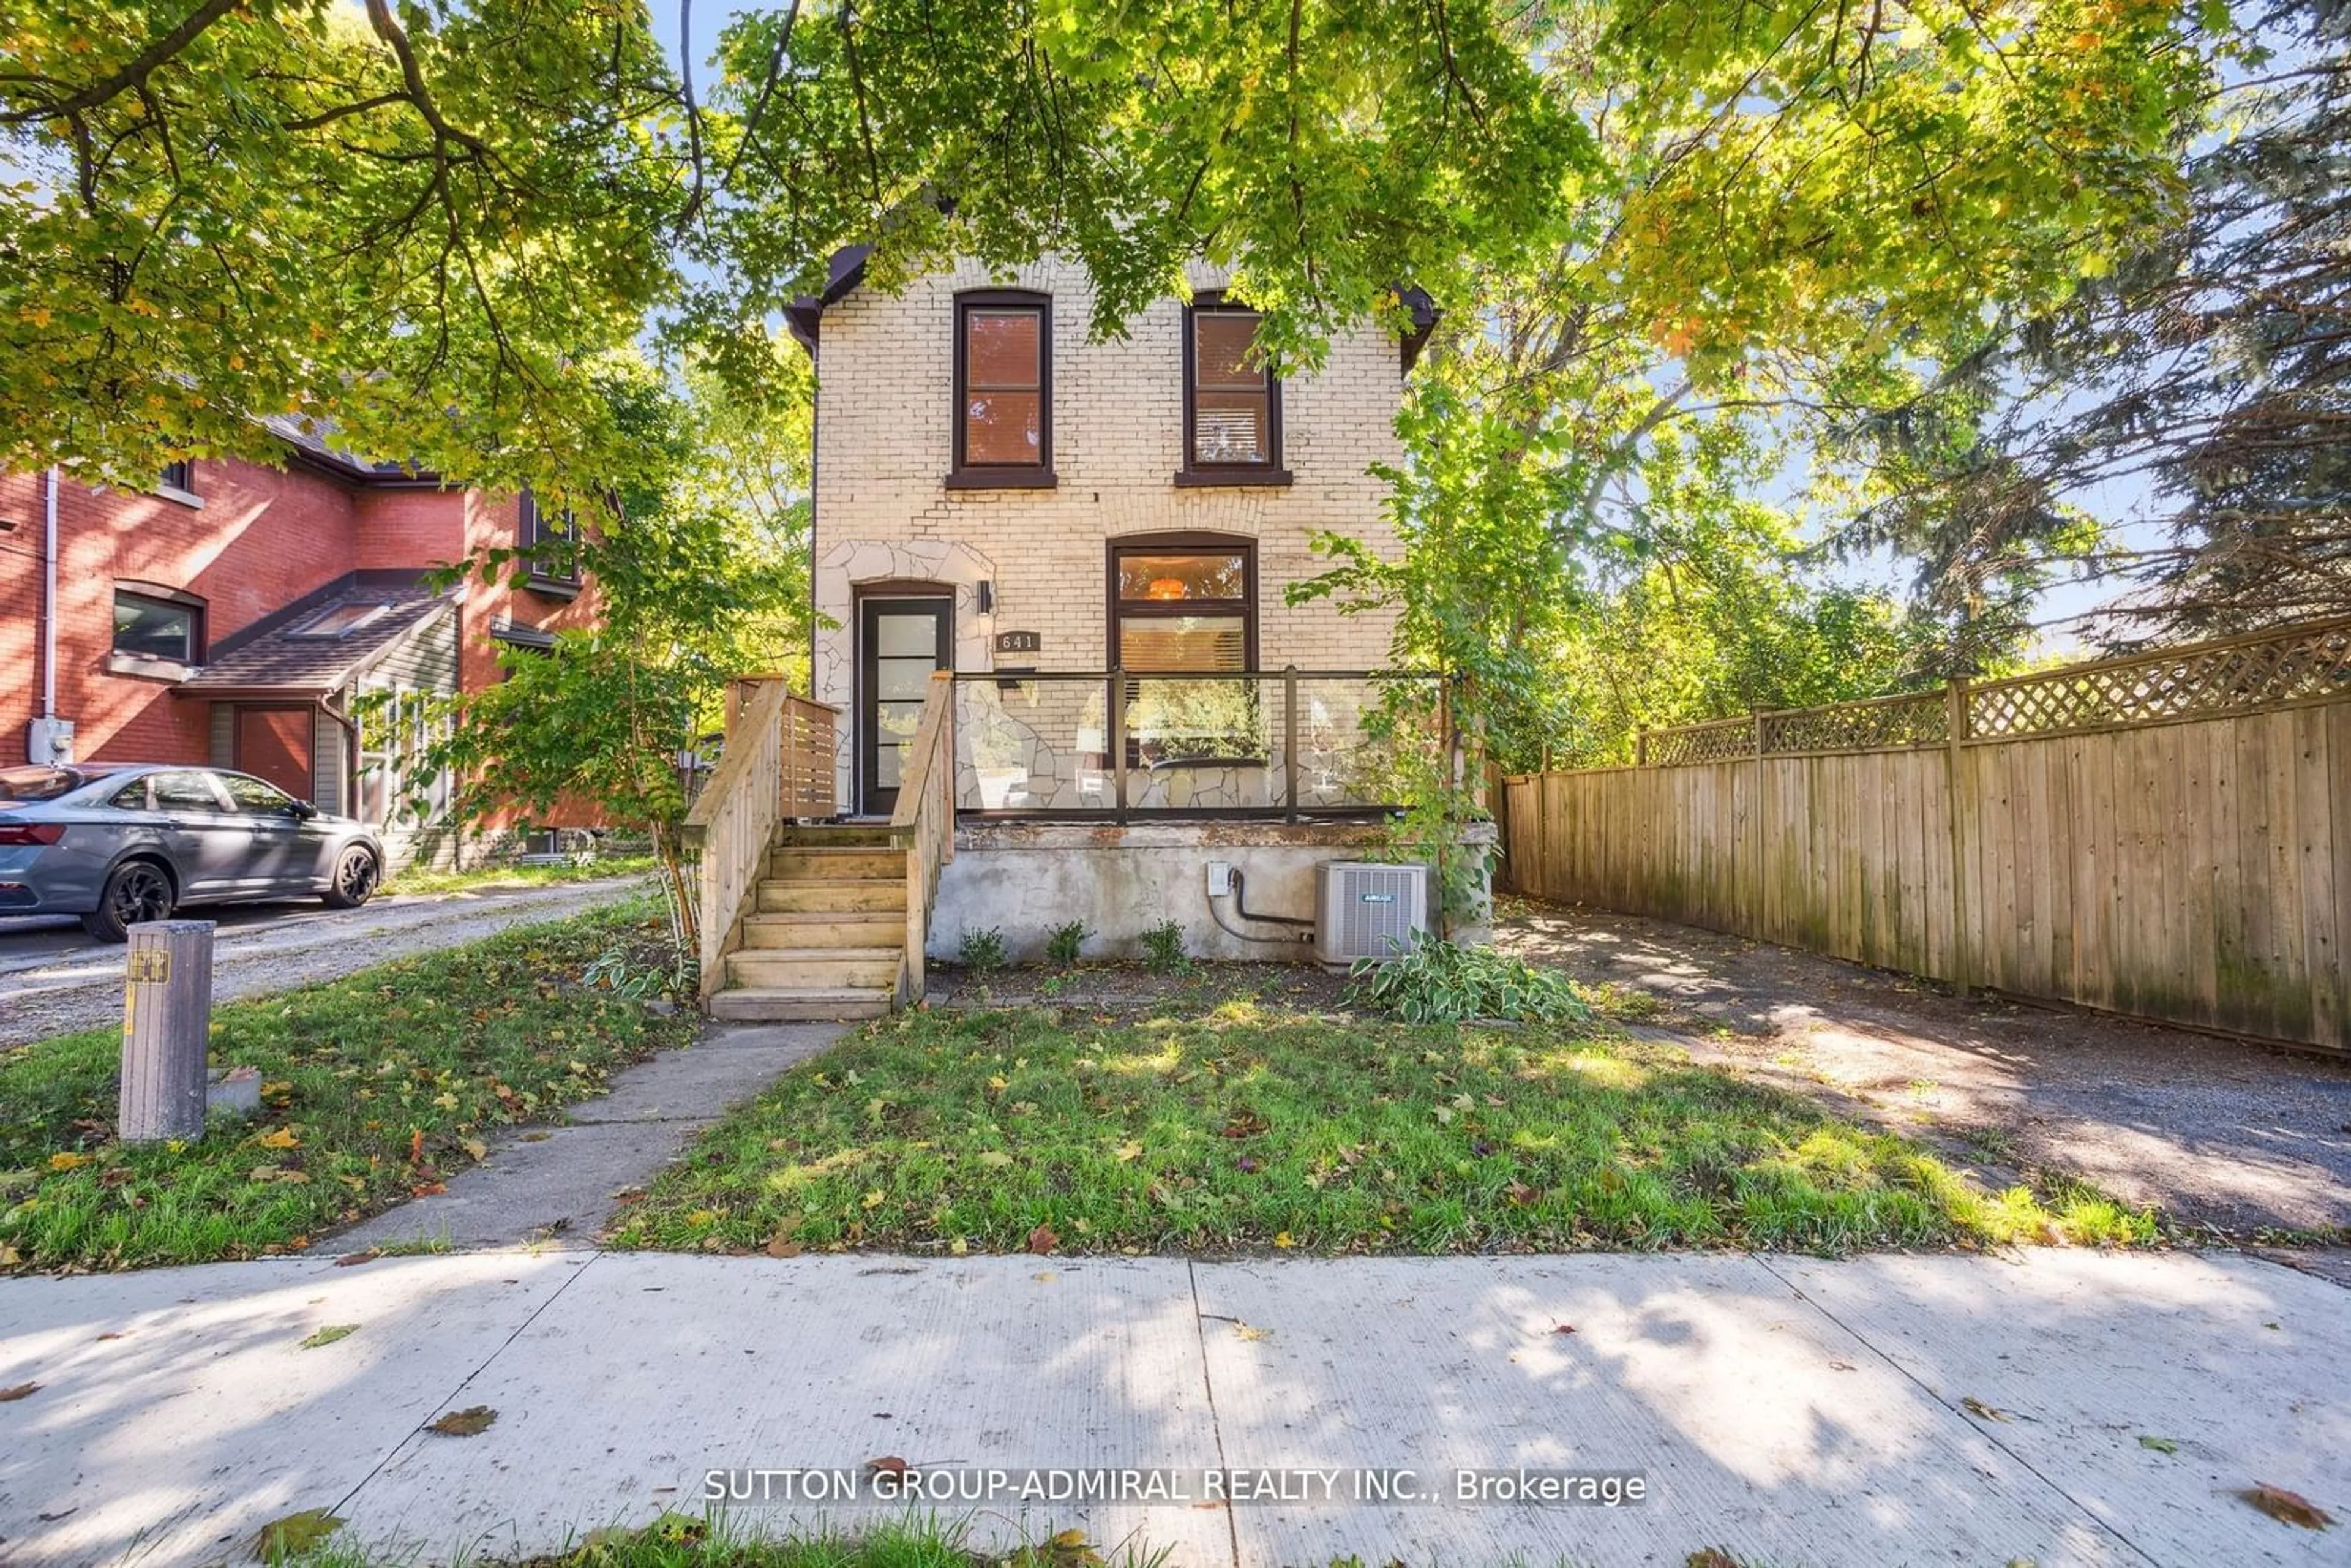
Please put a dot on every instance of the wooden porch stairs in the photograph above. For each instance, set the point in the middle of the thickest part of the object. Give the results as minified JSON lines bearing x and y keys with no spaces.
{"x":800,"y":917}
{"x":826,"y":937}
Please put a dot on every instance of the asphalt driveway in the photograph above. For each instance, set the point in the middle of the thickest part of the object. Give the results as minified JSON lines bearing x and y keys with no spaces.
{"x":2222,"y":1136}
{"x":55,"y":979}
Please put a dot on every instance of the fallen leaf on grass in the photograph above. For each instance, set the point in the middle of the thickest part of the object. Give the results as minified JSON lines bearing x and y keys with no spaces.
{"x":2288,"y":1507}
{"x":1042,"y":1241}
{"x":1711,"y":1557}
{"x":294,"y":1535}
{"x":1984,"y":1412}
{"x":329,"y":1335}
{"x":279,"y":1138}
{"x":22,"y":1390}
{"x":468,"y":1423}
{"x":2160,"y":1445}
{"x":782,"y":1246}
{"x":428,"y":1189}
{"x":995,"y":1159}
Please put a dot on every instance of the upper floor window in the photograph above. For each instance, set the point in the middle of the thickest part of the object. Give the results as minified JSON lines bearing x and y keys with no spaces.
{"x":177,"y":481}
{"x":150,"y":626}
{"x":552,"y":538}
{"x":1003,"y":389}
{"x":1232,"y":402}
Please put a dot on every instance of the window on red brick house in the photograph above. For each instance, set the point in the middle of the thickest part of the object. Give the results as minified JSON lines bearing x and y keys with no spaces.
{"x":552,"y":537}
{"x":150,"y":627}
{"x":179,"y":476}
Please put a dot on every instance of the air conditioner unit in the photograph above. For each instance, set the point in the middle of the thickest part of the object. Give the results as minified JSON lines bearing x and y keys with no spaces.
{"x":1364,"y":909}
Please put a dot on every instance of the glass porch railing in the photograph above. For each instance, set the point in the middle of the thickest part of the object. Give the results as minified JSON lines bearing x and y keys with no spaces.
{"x":1262,"y":743}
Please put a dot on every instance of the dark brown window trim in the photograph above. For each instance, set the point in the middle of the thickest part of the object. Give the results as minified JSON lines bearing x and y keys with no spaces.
{"x":1195,"y":473}
{"x":1235,"y":478}
{"x":1003,"y":479}
{"x":1039,"y":476}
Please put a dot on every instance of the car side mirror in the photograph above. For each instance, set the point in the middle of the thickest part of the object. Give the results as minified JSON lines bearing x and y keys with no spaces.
{"x":300,"y":810}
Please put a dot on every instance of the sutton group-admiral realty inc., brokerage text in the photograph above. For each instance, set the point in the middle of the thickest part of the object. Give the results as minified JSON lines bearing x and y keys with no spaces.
{"x":889,"y":1483}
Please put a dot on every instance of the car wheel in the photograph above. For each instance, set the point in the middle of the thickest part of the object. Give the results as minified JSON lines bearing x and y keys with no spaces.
{"x":135,"y":891}
{"x":356,"y":875}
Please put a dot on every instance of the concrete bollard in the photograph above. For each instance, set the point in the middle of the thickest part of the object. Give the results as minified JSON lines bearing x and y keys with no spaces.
{"x":167,"y":1016}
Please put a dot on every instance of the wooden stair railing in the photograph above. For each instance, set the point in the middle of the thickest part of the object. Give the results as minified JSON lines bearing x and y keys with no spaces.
{"x":924,"y":823}
{"x":778,"y":763}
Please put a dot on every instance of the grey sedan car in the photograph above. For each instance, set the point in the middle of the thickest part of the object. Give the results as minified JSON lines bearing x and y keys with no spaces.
{"x":119,"y":843}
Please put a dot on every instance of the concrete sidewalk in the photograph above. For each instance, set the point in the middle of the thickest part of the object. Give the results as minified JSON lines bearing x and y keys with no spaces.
{"x":1786,"y":1409}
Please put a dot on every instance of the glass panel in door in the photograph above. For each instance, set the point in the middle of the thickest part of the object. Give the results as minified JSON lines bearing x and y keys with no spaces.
{"x":903,"y":641}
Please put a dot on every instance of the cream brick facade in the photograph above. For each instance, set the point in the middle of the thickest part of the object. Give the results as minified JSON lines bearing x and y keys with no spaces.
{"x":883,"y":513}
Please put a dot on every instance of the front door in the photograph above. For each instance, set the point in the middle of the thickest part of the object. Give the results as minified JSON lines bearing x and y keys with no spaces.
{"x":902,"y":643}
{"x":274,"y":743}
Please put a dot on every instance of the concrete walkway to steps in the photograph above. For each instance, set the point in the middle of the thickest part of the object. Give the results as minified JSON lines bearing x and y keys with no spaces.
{"x":555,"y":1186}
{"x":1887,"y":1409}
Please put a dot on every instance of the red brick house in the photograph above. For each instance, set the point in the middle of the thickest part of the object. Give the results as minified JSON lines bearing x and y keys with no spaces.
{"x":272,"y":621}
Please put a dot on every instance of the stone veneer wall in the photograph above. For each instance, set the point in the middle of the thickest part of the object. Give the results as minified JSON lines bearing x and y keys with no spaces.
{"x":883,"y":513}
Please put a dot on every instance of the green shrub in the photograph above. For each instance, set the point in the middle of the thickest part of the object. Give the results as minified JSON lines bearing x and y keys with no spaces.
{"x":1061,"y":946}
{"x":1442,"y":982}
{"x":982,"y":952}
{"x":1163,"y":948}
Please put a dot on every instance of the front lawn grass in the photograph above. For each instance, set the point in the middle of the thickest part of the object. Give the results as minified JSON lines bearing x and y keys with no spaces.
{"x":374,"y":1087}
{"x":1243,"y":1129}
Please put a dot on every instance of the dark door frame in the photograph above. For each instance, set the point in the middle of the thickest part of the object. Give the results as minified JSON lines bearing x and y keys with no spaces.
{"x":901,"y":598}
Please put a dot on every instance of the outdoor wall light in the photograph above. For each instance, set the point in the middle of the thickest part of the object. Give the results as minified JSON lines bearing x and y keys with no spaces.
{"x":986,"y":598}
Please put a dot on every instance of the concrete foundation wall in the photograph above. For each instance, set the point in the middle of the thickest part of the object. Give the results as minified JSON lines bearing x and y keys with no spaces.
{"x":1025,"y":878}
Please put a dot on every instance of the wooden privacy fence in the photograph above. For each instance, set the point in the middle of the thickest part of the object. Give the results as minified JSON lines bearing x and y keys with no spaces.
{"x":2167,"y":835}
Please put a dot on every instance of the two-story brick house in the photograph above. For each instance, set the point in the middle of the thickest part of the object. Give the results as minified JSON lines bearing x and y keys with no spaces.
{"x":274,"y":621}
{"x":1093,"y":541}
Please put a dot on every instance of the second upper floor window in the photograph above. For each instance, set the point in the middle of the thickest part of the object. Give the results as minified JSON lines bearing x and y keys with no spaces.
{"x":1232,"y":402}
{"x":1004,"y":388}
{"x":552,"y":537}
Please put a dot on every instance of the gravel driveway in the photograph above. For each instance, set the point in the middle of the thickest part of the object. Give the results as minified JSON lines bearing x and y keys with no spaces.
{"x":2216,"y":1133}
{"x":54,"y":979}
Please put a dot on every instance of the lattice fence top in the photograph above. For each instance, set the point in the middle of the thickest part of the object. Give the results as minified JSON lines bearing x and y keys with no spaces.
{"x":2294,"y":663}
{"x":1722,"y":740}
{"x":2283,"y":666}
{"x":1921,"y":720}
